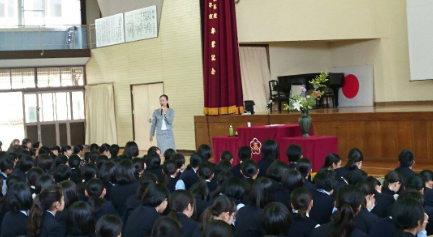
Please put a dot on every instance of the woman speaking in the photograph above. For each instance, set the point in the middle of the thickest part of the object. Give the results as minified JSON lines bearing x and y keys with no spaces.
{"x":162,"y":122}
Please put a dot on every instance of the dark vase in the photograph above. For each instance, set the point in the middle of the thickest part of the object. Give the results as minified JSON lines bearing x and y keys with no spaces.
{"x":305,"y":123}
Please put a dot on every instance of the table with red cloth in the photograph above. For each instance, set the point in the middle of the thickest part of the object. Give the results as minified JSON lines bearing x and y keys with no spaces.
{"x":315,"y":148}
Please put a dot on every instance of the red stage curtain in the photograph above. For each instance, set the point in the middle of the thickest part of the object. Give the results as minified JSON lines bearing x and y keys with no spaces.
{"x":222,"y":73}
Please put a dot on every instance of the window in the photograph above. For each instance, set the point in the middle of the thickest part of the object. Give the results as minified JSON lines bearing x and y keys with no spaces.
{"x":9,"y":12}
{"x":23,"y":78}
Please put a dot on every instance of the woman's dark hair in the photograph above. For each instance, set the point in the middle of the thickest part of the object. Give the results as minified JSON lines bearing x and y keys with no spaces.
{"x":406,"y":158}
{"x":100,"y":161}
{"x":226,"y":155}
{"x":392,"y":177}
{"x":244,"y":153}
{"x":355,"y":176}
{"x":61,"y":173}
{"x":291,"y":180}
{"x":331,"y":159}
{"x":373,"y":181}
{"x":80,"y":221}
{"x":93,"y":156}
{"x":94,"y":147}
{"x":89,"y":171}
{"x":366,"y":188}
{"x":179,"y":201}
{"x":179,"y":159}
{"x":221,"y":179}
{"x":45,"y":162}
{"x":426,"y":175}
{"x":304,"y":167}
{"x":355,"y":155}
{"x":167,"y":227}
{"x":106,"y":173}
{"x":325,"y":179}
{"x":249,"y":168}
{"x":55,"y":148}
{"x":301,"y":199}
{"x":349,"y":199}
{"x":223,"y":165}
{"x":33,"y":174}
{"x":65,"y":148}
{"x":77,"y":149}
{"x":270,"y":150}
{"x":138,"y":164}
{"x":262,"y":192}
{"x":42,"y":182}
{"x":234,"y":188}
{"x":205,"y":171}
{"x":104,"y":148}
{"x":109,"y":226}
{"x":74,"y":161}
{"x":169,"y":153}
{"x":276,"y":170}
{"x":13,"y":179}
{"x":406,"y":214}
{"x":205,"y":151}
{"x":94,"y":189}
{"x":195,"y":160}
{"x":26,"y":163}
{"x":19,"y":197}
{"x":131,"y":150}
{"x":69,"y":190}
{"x":60,"y":160}
{"x":221,"y":204}
{"x":276,"y":219}
{"x":153,"y":150}
{"x":200,"y":191}
{"x":155,"y":194}
{"x":114,"y":150}
{"x":415,"y":182}
{"x":169,"y":168}
{"x":145,"y":180}
{"x":166,"y":97}
{"x":294,"y":153}
{"x":44,"y":150}
{"x":41,"y":203}
{"x":218,"y":228}
{"x":124,"y":172}
{"x":153,"y":161}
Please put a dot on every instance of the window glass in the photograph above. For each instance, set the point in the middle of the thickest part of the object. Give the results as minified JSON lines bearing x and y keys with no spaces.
{"x":5,"y":79}
{"x":46,"y":112}
{"x":31,"y":108}
{"x":78,"y":105}
{"x":48,"y":77}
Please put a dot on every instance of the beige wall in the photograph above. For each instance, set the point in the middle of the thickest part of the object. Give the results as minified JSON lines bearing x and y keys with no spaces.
{"x":174,"y":58}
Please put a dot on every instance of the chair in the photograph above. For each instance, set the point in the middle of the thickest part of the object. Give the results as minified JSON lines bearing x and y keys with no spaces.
{"x":276,"y":95}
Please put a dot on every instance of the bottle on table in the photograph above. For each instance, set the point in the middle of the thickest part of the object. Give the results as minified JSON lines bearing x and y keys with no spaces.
{"x":231,"y":133}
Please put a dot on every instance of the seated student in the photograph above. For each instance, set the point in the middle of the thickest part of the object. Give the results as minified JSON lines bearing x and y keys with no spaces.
{"x":406,"y":160}
{"x":62,"y":173}
{"x":139,"y":167}
{"x":206,"y":175}
{"x":78,"y":150}
{"x":182,"y":206}
{"x":427,"y":177}
{"x":302,"y":224}
{"x":227,"y":156}
{"x":234,"y":188}
{"x":189,"y":176}
{"x":131,"y":150}
{"x":153,"y":165}
{"x":126,"y":185}
{"x":180,"y":162}
{"x":24,"y":165}
{"x":322,"y":197}
{"x":392,"y":183}
{"x":89,"y":171}
{"x":93,"y":156}
{"x":249,"y":217}
{"x":142,"y":219}
{"x":415,"y":182}
{"x":60,"y":160}
{"x":106,"y":175}
{"x":354,"y":161}
{"x":32,"y":175}
{"x":409,"y":218}
{"x":332,"y":162}
{"x":348,"y":203}
{"x":80,"y":222}
{"x":94,"y":147}
{"x":218,"y":228}
{"x":294,"y":153}
{"x":244,"y":153}
{"x":169,"y":153}
{"x":171,"y":180}
{"x":19,"y":201}
{"x":304,"y":167}
{"x":95,"y":191}
{"x":154,"y":150}
{"x":223,"y":209}
{"x":276,"y":219}
{"x":66,"y":150}
{"x":101,"y":160}
{"x":222,"y":166}
{"x":365,"y":219}
{"x":221,"y":179}
{"x":55,"y":150}
{"x":42,"y":221}
{"x":270,"y":152}
{"x":45,"y":162}
{"x":114,"y":151}
{"x":201,"y":196}
{"x":167,"y":227}
{"x":75,"y":163}
{"x":104,"y":150}
{"x":109,"y":226}
{"x":275,"y":173}
{"x":292,"y":179}
{"x":383,"y":201}
{"x":69,"y":190}
{"x":135,"y":201}
{"x":42,"y":182}
{"x":206,"y":152}
{"x":250,"y":171}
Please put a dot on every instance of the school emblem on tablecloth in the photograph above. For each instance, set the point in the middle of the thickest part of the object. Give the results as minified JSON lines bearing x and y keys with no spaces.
{"x":256,"y":146}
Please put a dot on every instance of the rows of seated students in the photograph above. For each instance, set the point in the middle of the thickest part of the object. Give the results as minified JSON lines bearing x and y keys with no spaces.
{"x":64,"y":192}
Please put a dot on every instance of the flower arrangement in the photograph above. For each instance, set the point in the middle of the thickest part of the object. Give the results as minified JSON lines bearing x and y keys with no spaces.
{"x":303,"y":102}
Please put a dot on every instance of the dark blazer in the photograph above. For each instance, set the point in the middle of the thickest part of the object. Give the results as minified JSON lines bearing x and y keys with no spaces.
{"x":292,"y":165}
{"x":61,"y":217}
{"x":197,"y":233}
{"x":275,"y":185}
{"x":263,"y":166}
{"x":50,"y":227}
{"x":171,"y":186}
{"x":428,"y":196}
{"x":388,"y":192}
{"x":131,"y":203}
{"x":200,"y":206}
{"x":405,"y":172}
{"x":120,"y":193}
{"x":189,"y":177}
{"x":325,"y":230}
{"x":157,"y":172}
{"x":364,"y":220}
{"x":108,"y":186}
{"x":140,"y":222}
{"x":188,"y":224}
{"x":284,"y":198}
{"x":308,"y":185}
{"x":429,"y":211}
{"x":106,"y":209}
{"x":383,"y":228}
{"x":21,"y":174}
{"x":248,"y":222}
{"x":342,"y":171}
{"x":3,"y":212}
{"x":383,"y":205}
{"x":236,"y":171}
{"x":301,"y":228}
{"x":212,"y":185}
{"x":322,"y":208}
{"x":14,"y":224}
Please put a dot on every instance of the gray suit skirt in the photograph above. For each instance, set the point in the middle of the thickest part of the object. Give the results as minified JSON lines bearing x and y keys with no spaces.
{"x":165,"y":140}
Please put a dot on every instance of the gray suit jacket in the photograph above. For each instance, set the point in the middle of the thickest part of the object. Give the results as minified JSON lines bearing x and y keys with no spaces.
{"x":157,"y":121}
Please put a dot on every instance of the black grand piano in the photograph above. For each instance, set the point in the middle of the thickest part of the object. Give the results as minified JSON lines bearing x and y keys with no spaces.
{"x":335,"y":82}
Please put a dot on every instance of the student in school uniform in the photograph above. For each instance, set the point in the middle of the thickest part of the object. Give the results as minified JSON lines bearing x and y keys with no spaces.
{"x":427,"y":177}
{"x":80,"y":222}
{"x":206,"y":152}
{"x":189,"y":176}
{"x":218,"y":228}
{"x":392,"y":183}
{"x":332,"y":161}
{"x":32,"y":175}
{"x":134,"y":201}
{"x":109,"y":226}
{"x":235,"y":189}
{"x":275,"y":173}
{"x":142,"y":219}
{"x":206,"y":175}
{"x":95,"y":191}
{"x":24,"y":165}
{"x":180,"y":162}
{"x":301,"y":204}
{"x":323,"y":201}
{"x":202,"y":196}
{"x":270,"y":152}
{"x":126,"y":185}
{"x":182,"y":206}
{"x":365,"y":219}
{"x":167,"y":227}
{"x":294,"y":153}
{"x":406,"y":160}
{"x":171,"y":180}
{"x":250,"y":171}
{"x":276,"y":219}
{"x":244,"y":153}
{"x":69,"y":190}
{"x":304,"y":167}
{"x":383,"y":201}
{"x":227,"y":156}
{"x":6,"y":168}
{"x":354,"y":161}
{"x":292,"y":179}
{"x":153,"y":165}
{"x":106,"y":175}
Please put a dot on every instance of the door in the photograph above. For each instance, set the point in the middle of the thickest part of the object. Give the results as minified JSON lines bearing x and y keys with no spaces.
{"x":145,"y":99}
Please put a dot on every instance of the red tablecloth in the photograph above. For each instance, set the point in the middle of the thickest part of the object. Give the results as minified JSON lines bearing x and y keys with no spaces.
{"x":256,"y":135}
{"x":315,"y":148}
{"x":225,"y":143}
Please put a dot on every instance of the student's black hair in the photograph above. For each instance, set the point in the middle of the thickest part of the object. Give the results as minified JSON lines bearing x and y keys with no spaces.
{"x":223,"y":165}
{"x":415,"y":182}
{"x":355,"y":155}
{"x":94,"y":147}
{"x":19,"y":197}
{"x":349,"y":199}
{"x":106,"y":173}
{"x":43,"y":181}
{"x":65,"y":148}
{"x":169,"y":168}
{"x":331,"y":159}
{"x":411,"y":194}
{"x":138,"y":164}
{"x":100,"y":161}
{"x":114,"y":150}
{"x":124,"y":172}
{"x":301,"y":199}
{"x":74,"y":161}
{"x":179,"y":159}
{"x":205,"y":151}
{"x":325,"y":179}
{"x":153,"y":161}
{"x":262,"y":192}
{"x":93,"y":156}
{"x":406,"y":214}
{"x":167,"y":227}
{"x":392,"y":177}
{"x":32,"y":152}
{"x":276,"y":170}
{"x":406,"y":158}
{"x":244,"y":153}
{"x":169,"y":153}
{"x":80,"y":221}
{"x":41,"y":203}
{"x":94,"y":189}
{"x":153,"y":150}
{"x":220,"y":205}
{"x":373,"y":181}
{"x":45,"y":162}
{"x":355,"y":176}
{"x":77,"y":149}
{"x":195,"y":160}
{"x":291,"y":180}
{"x":146,"y":179}
{"x":234,"y":188}
{"x":221,"y":178}
{"x":304,"y":167}
{"x":109,"y":226}
{"x":55,"y":148}
{"x":25,"y":141}
{"x":294,"y":153}
{"x":13,"y":179}
{"x":179,"y":201}
{"x":155,"y":194}
{"x":36,"y":144}
{"x":6,"y":164}
{"x":270,"y":150}
{"x":69,"y":190}
{"x":366,"y":188}
{"x":218,"y":228}
{"x":205,"y":171}
{"x":426,"y":175}
{"x":61,"y":173}
{"x":32,"y":175}
{"x":200,"y":191}
{"x":249,"y":168}
{"x":88,"y":171}
{"x":276,"y":219}
{"x":25,"y":163}
{"x":104,"y":148}
{"x":226,"y":155}
{"x":45,"y":150}
{"x":131,"y":150}
{"x":60,"y":160}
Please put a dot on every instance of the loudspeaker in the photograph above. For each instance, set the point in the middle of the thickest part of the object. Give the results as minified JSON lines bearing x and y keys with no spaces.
{"x":249,"y":106}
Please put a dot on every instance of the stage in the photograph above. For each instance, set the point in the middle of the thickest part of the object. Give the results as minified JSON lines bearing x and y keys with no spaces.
{"x":381,"y":132}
